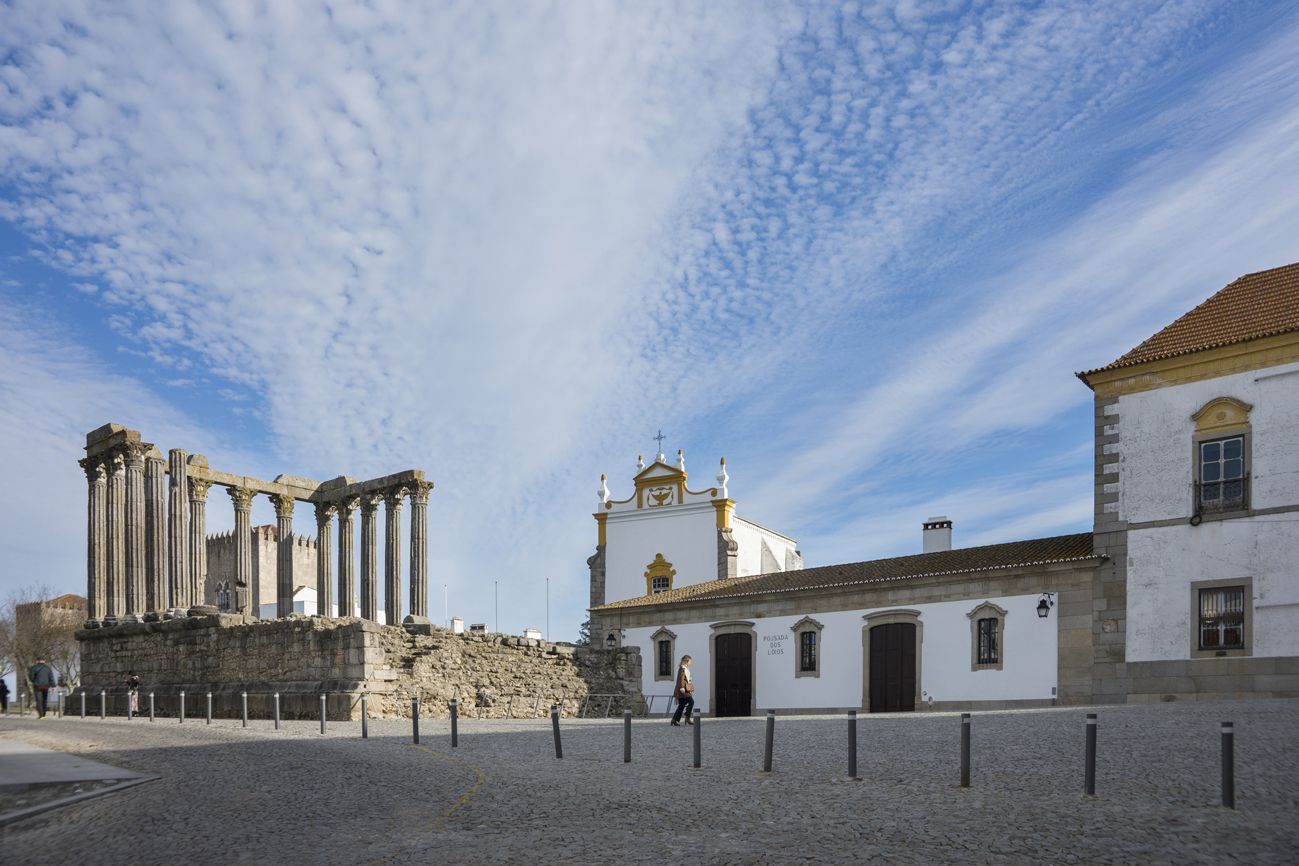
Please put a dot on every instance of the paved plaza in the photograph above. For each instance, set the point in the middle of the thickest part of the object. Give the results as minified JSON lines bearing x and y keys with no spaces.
{"x":225,"y":794}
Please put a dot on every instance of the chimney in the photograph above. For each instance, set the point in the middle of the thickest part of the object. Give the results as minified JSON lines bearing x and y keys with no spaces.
{"x":937,"y":534}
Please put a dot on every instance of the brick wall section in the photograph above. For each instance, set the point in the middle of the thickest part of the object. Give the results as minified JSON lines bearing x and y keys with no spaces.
{"x":301,"y":657}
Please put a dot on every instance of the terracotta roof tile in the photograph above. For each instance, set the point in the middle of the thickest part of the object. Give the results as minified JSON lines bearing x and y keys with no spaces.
{"x":1256,"y":305}
{"x":1016,"y":554}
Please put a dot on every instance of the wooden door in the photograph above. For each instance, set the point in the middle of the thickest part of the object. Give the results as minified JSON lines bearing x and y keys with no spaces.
{"x":733,"y":674}
{"x":893,"y":667}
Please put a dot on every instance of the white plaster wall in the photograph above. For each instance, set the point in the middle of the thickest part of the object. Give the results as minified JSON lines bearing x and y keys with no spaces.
{"x":1163,"y":561}
{"x":1028,"y":671}
{"x":686,"y":535}
{"x":750,"y":536}
{"x":1155,"y":453}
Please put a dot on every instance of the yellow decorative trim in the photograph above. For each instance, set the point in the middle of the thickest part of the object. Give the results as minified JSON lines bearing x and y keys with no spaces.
{"x":725,"y":508}
{"x":600,"y":528}
{"x":1222,"y":413}
{"x":1197,"y":366}
{"x":660,"y":567}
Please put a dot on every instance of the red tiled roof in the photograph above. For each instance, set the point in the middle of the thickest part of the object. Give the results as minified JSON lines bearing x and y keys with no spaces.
{"x":1016,"y":554}
{"x":1256,"y":305}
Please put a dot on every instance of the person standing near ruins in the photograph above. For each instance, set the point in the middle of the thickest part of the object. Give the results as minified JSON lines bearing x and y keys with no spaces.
{"x":133,"y":691}
{"x":685,"y":693}
{"x":42,"y":679}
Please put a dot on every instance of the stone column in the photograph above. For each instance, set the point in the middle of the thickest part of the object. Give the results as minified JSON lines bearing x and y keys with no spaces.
{"x":135,"y":559}
{"x":96,"y":538}
{"x":114,"y":592}
{"x":198,"y":542}
{"x":177,"y":544}
{"x":346,"y":558}
{"x":324,"y":580}
{"x":246,"y":591}
{"x":283,"y":554}
{"x":419,"y":554}
{"x":369,"y":596}
{"x":392,"y":555}
{"x":155,"y":538}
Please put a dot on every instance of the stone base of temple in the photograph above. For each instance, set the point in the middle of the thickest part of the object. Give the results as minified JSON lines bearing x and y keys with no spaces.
{"x":152,"y":616}
{"x":417,"y":624}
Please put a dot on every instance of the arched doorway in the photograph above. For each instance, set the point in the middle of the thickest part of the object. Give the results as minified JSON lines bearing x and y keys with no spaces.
{"x":734,"y":647}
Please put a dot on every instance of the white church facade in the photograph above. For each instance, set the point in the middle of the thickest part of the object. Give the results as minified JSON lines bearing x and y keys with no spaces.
{"x":1187,"y":587}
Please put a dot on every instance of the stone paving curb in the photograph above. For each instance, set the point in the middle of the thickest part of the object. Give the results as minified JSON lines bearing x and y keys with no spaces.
{"x":8,"y":818}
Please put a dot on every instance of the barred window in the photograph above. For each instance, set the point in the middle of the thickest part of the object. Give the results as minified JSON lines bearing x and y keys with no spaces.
{"x":988,"y":652}
{"x":1222,"y":618}
{"x":665,"y":658}
{"x":807,"y":651}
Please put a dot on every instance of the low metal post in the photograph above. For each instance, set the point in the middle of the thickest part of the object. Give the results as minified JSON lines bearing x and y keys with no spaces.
{"x":414,"y":720}
{"x":277,"y":711}
{"x":1089,"y":775}
{"x":698,"y":719}
{"x":626,"y":736}
{"x":365,"y":718}
{"x":965,"y":750}
{"x":322,"y":714}
{"x":852,"y":744}
{"x":130,"y":710}
{"x":182,"y":708}
{"x":209,"y":708}
{"x":1228,"y":765}
{"x":554,"y":724}
{"x":455,"y":734}
{"x":103,"y":705}
{"x":770,"y":741}
{"x":151,"y":706}
{"x":83,"y":705}
{"x":58,"y":707}
{"x":22,"y":703}
{"x":244,"y":704}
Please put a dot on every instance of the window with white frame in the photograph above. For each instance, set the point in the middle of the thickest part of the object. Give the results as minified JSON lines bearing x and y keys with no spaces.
{"x":1222,"y":474}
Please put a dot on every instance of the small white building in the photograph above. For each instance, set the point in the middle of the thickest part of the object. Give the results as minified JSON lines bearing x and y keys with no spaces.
{"x":1186,"y":587}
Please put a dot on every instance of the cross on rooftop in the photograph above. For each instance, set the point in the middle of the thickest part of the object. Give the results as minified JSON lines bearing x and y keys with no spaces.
{"x":659,"y":438}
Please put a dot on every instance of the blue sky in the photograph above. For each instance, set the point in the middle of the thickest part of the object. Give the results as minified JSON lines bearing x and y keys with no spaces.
{"x":858,"y":249}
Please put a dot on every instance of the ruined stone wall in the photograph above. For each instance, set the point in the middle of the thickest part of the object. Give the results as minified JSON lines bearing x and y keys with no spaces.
{"x":302,"y":657}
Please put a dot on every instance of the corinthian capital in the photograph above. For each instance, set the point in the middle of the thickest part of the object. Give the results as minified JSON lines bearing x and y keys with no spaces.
{"x":394,"y":497}
{"x":325,"y":512}
{"x":370,"y":502}
{"x":283,"y":505}
{"x":347,"y":506}
{"x":134,"y":453}
{"x":95,"y":471}
{"x":117,"y":463}
{"x":198,"y":489}
{"x":419,"y":491}
{"x":242,"y":497}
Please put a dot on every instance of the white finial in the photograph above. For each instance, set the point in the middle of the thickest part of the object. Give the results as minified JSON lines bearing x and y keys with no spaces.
{"x":681,"y":460}
{"x":603,"y":492}
{"x":722,"y":478}
{"x":640,"y":462}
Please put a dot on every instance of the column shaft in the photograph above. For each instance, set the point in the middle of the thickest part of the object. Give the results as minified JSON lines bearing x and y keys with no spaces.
{"x":177,"y":544}
{"x":246,"y":591}
{"x":135,"y":559}
{"x":116,"y":525}
{"x":346,"y":558}
{"x":324,"y":552}
{"x":392,"y":556}
{"x":96,"y":538}
{"x":419,"y":551}
{"x":283,"y":555}
{"x":155,"y":539}
{"x":198,"y":593}
{"x":369,"y":595}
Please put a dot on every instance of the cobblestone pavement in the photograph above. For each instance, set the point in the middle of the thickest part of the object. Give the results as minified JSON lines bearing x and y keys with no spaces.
{"x":233,"y":795}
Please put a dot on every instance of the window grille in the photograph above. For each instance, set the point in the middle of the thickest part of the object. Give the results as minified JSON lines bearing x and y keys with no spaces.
{"x":1222,"y":618}
{"x":988,"y":641}
{"x":665,"y":658}
{"x":807,"y":652}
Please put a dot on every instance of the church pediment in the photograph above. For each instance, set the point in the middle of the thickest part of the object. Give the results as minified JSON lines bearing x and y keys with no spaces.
{"x":657,"y":473}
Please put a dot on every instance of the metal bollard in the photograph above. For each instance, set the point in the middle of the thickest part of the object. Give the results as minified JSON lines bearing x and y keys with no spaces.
{"x":554,"y":724}
{"x":151,"y":706}
{"x":414,"y":720}
{"x":365,"y":718}
{"x":58,"y":710}
{"x":277,"y":711}
{"x":965,"y":750}
{"x":22,"y":703}
{"x":182,"y":708}
{"x":852,"y":744}
{"x":130,"y":710}
{"x":1228,"y":765}
{"x":244,"y":702}
{"x":455,"y":734}
{"x":1089,"y":776}
{"x":322,"y":715}
{"x":626,"y":735}
{"x":209,"y":708}
{"x":103,"y":705}
{"x":697,"y":719}
{"x":83,"y":705}
{"x":770,"y":741}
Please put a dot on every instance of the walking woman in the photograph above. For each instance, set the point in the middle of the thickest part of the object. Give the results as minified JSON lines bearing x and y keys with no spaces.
{"x":685,"y":693}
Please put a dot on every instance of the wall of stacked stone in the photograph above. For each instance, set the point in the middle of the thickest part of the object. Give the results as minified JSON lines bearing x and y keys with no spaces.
{"x":303,"y":657}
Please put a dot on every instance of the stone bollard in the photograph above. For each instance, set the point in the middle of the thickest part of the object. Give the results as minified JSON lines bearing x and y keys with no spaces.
{"x":182,"y":708}
{"x":322,"y":715}
{"x":277,"y":711}
{"x":626,"y":735}
{"x":414,"y":720}
{"x":554,"y":724}
{"x":965,"y":750}
{"x":698,"y":737}
{"x":1228,"y":765}
{"x":243,"y":698}
{"x":770,"y":741}
{"x":852,"y":744}
{"x":455,"y":736}
{"x":209,"y":708}
{"x":365,"y":718}
{"x":1089,"y":770}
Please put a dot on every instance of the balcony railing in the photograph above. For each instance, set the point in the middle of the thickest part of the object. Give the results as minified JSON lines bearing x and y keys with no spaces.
{"x":1215,"y":497}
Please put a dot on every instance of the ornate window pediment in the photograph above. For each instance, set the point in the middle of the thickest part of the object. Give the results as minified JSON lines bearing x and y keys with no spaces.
{"x":658,"y":575}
